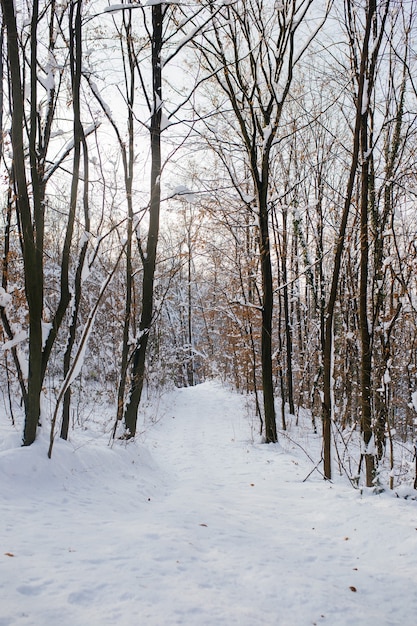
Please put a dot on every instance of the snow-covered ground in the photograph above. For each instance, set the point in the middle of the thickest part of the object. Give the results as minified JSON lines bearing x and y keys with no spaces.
{"x":197,"y":523}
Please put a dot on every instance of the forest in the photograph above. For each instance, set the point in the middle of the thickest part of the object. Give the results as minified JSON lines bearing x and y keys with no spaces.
{"x":197,"y":190}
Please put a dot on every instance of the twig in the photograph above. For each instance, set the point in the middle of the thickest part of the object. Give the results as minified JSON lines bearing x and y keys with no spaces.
{"x":81,"y":346}
{"x":307,"y":455}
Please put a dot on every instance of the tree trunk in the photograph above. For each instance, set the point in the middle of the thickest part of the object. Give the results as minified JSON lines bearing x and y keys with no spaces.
{"x":288,"y":329}
{"x":149,"y":257}
{"x":267,"y":310}
{"x":128,"y":158}
{"x":365,"y":338}
{"x":75,"y":63}
{"x":327,"y":408}
{"x":31,"y":233}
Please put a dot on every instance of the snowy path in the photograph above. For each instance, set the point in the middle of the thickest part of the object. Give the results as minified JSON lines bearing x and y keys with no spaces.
{"x":215,"y":531}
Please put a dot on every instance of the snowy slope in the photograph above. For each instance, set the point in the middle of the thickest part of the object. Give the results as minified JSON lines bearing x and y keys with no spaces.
{"x":198,"y":524}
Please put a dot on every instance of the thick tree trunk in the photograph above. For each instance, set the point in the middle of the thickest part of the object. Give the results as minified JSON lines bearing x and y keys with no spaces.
{"x":366,"y":185}
{"x":328,"y":332}
{"x":190,"y":338}
{"x":380,"y":220}
{"x":149,"y":257}
{"x":267,"y":310}
{"x":31,"y":233}
{"x":75,"y":60}
{"x":288,"y":329}
{"x":365,"y":377}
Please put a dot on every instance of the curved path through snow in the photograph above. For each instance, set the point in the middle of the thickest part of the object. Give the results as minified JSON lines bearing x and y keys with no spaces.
{"x":243,"y":540}
{"x":213,"y":530}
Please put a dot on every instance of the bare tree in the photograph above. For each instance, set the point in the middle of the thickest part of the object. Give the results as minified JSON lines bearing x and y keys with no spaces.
{"x":364,"y":64}
{"x":164,"y":34}
{"x":251,"y":54}
{"x":33,"y":120}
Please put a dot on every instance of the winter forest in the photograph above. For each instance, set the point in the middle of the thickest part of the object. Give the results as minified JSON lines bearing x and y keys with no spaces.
{"x":208,"y":366}
{"x":213,"y":190}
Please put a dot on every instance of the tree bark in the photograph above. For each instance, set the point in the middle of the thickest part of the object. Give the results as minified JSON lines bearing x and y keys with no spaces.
{"x":31,"y":232}
{"x":365,"y":338}
{"x":75,"y":43}
{"x":267,"y":310}
{"x":149,"y":257}
{"x":327,"y":408}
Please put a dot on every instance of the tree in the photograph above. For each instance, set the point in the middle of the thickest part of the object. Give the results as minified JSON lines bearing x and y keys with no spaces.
{"x":251,"y":54}
{"x":80,"y":146}
{"x":33,"y":113}
{"x":30,"y":217}
{"x":161,"y":33}
{"x":364,"y":72}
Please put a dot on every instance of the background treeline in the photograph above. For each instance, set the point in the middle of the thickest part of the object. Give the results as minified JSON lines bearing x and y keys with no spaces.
{"x":209,"y":189}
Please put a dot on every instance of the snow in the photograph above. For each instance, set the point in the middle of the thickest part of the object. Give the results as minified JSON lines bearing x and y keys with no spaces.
{"x":151,"y":3}
{"x":120,"y":7}
{"x":185,"y":192}
{"x":46,"y":329}
{"x":19,"y":337}
{"x":414,"y":400}
{"x":48,"y":83}
{"x":103,"y":104}
{"x":365,"y":96}
{"x":165,"y":121}
{"x":197,"y":523}
{"x":5,"y":298}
